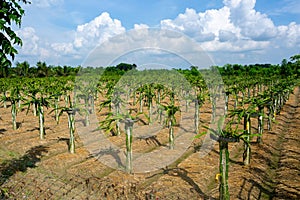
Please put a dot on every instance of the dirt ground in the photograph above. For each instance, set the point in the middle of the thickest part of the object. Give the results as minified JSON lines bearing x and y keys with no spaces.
{"x":43,"y":169}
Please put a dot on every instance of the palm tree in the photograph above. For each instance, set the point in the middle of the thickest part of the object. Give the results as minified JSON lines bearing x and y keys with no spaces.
{"x":42,"y":69}
{"x":22,"y":69}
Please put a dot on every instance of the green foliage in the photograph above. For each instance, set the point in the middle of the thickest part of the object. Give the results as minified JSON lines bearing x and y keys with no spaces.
{"x":170,"y":110}
{"x":10,"y":13}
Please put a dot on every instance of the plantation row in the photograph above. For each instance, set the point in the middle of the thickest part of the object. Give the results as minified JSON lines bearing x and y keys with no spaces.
{"x":156,"y":96}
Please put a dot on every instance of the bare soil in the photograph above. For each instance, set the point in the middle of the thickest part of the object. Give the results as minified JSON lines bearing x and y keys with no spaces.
{"x":43,"y":169}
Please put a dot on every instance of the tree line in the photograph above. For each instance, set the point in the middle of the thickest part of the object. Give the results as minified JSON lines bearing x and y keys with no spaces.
{"x":41,"y":69}
{"x":286,"y":68}
{"x":289,"y":67}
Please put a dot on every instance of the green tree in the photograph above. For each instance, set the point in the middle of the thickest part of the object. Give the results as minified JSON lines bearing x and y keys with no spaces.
{"x":42,"y":69}
{"x":296,"y":63}
{"x":10,"y":13}
{"x":22,"y":69}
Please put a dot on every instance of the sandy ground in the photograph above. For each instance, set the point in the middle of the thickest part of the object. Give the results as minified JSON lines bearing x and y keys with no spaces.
{"x":43,"y":169}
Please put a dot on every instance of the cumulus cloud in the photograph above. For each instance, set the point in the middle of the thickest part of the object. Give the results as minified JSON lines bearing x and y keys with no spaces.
{"x":153,"y":45}
{"x":81,"y":41}
{"x":289,"y":36}
{"x":30,"y":41}
{"x":225,"y":35}
{"x":97,"y":31}
{"x":253,"y":24}
{"x":190,"y":24}
{"x":32,"y":45}
{"x":140,"y":26}
{"x":65,"y":48}
{"x":236,"y":27}
{"x":211,"y":25}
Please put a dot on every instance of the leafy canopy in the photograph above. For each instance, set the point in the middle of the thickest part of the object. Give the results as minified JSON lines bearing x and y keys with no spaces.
{"x":10,"y":13}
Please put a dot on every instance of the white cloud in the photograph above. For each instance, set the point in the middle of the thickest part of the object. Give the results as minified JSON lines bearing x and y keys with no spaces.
{"x":190,"y":24}
{"x":237,"y":3}
{"x":141,"y":26}
{"x":225,"y":35}
{"x":238,"y":31}
{"x":97,"y":31}
{"x":32,"y":46}
{"x":30,"y":41}
{"x":189,"y":21}
{"x":253,"y":24}
{"x":144,"y":46}
{"x":289,"y":36}
{"x":82,"y":41}
{"x":204,"y":26}
{"x":66,"y":48}
{"x":215,"y":20}
{"x":46,"y":3}
{"x":236,"y":46}
{"x":236,"y":27}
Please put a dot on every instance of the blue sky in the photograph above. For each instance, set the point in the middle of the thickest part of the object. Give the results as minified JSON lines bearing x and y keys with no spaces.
{"x":64,"y":32}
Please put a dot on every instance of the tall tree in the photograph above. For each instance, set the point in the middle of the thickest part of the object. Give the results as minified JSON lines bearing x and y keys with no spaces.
{"x":22,"y":69}
{"x":10,"y":13}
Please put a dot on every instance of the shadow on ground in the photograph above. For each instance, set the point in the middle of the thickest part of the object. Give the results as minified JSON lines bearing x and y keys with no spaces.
{"x":9,"y":167}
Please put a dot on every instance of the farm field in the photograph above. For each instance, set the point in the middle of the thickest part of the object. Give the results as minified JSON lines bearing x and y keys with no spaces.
{"x":34,"y":168}
{"x":149,"y":113}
